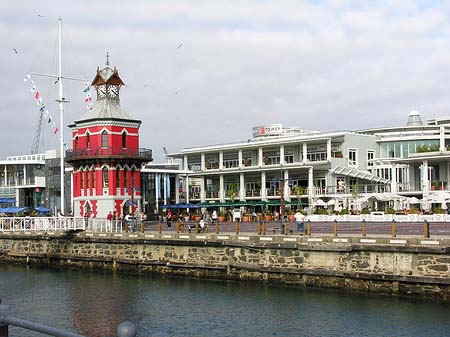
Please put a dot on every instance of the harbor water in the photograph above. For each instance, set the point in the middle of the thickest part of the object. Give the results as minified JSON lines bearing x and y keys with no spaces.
{"x":94,"y":303}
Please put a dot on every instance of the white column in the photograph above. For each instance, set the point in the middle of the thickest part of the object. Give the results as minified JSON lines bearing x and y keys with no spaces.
{"x":263,"y":186}
{"x":6,"y":176}
{"x":310,"y":183}
{"x":329,"y":149}
{"x":164,"y":188}
{"x":202,"y":190}
{"x":260,"y":156}
{"x":25,"y":176}
{"x":304,"y":152}
{"x":241,"y":187}
{"x":221,"y":189}
{"x":442,"y":147}
{"x":72,"y":206}
{"x":186,"y":186}
{"x":185,"y":163}
{"x":240,"y":158}
{"x":177,"y":194}
{"x":157,"y":183}
{"x":425,"y":180}
{"x":202,"y":162}
{"x":394,"y":179}
{"x":287,"y":195}
{"x":221,"y":160}
{"x":282,"y":154}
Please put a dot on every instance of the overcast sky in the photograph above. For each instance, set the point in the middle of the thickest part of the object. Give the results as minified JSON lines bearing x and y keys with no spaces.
{"x":206,"y":72}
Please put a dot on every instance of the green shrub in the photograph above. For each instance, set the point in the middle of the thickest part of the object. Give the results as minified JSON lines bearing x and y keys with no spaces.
{"x":321,"y":211}
{"x":365,"y":210}
{"x":438,"y":210}
{"x":389,"y":211}
{"x":344,"y":211}
{"x":414,"y":211}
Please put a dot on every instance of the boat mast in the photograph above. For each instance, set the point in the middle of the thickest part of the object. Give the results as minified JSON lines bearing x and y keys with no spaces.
{"x":61,"y":116}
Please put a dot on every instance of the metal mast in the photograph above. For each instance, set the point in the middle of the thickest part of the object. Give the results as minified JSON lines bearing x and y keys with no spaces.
{"x":61,"y":115}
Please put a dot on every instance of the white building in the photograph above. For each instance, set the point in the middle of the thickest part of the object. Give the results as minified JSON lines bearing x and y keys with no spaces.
{"x":342,"y":165}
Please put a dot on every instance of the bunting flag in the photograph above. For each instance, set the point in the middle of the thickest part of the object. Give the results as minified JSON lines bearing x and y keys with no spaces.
{"x":88,"y":98}
{"x":56,"y":131}
{"x":27,"y":78}
{"x":37,"y":95}
{"x":33,"y":89}
{"x":46,"y":113}
{"x":86,"y":89}
{"x":39,"y":101}
{"x":50,"y":119}
{"x":42,"y":108}
{"x":89,"y":106}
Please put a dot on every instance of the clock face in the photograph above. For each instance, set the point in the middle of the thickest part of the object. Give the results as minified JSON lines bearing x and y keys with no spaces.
{"x":101,"y":91}
{"x":113,"y":91}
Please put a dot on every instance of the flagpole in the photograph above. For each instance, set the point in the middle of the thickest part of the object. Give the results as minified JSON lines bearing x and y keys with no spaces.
{"x":61,"y":113}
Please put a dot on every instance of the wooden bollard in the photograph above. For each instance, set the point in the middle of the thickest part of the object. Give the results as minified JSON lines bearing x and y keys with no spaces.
{"x":259,"y":228}
{"x":364,"y":228}
{"x":286,"y":228}
{"x":426,"y":230}
{"x":237,"y":228}
{"x":178,"y":227}
{"x":217,"y":228}
{"x":308,"y":228}
{"x":335,"y":231}
{"x":394,"y":229}
{"x":126,"y":227}
{"x":142,"y":227}
{"x":263,"y":228}
{"x":159,"y":227}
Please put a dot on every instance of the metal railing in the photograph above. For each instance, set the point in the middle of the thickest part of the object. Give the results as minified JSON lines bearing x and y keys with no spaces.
{"x":125,"y":329}
{"x":141,"y":153}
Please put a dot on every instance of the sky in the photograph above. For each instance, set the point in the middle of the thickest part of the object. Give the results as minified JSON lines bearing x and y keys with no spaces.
{"x":206,"y":72}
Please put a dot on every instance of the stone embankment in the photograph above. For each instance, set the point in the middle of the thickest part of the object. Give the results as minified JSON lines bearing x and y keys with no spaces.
{"x":398,"y":266}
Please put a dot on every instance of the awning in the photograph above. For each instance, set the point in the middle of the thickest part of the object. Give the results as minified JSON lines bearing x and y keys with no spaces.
{"x":355,"y":173}
{"x":7,"y":200}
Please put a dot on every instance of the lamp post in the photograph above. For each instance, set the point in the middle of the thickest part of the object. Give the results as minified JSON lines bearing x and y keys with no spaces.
{"x":281,"y":198}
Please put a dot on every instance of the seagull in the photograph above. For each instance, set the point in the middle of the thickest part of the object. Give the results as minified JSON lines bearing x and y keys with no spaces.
{"x":180,"y":45}
{"x":15,"y":50}
{"x":145,"y":85}
{"x":41,"y":16}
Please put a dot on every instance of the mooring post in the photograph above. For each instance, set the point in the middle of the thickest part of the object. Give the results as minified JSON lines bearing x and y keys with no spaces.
{"x":286,"y":227}
{"x":142,"y":227}
{"x":237,"y":228}
{"x":259,"y":228}
{"x":217,"y":227}
{"x":426,"y":229}
{"x":394,"y":229}
{"x":159,"y":227}
{"x":363,"y":228}
{"x":177,"y":226}
{"x":308,"y":228}
{"x":335,"y":228}
{"x":263,"y":229}
{"x":126,"y":226}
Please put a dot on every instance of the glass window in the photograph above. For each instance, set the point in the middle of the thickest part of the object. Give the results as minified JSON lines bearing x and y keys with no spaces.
{"x":104,"y":139}
{"x":82,"y":178}
{"x":352,"y":160}
{"x":370,"y":157}
{"x":93,"y":178}
{"x":117,"y":177}
{"x":124,"y":139}
{"x":105,"y":177}
{"x":125,"y":178}
{"x":88,"y":140}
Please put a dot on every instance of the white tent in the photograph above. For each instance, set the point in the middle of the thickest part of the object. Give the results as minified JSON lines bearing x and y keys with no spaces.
{"x":413,"y":201}
{"x":331,"y":202}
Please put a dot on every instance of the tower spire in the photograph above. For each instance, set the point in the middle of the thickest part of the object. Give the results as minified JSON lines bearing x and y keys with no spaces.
{"x":107,"y":58}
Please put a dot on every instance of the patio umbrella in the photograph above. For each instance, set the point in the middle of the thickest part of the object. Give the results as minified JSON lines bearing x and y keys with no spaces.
{"x":331,"y":202}
{"x":319,"y":202}
{"x":413,"y":201}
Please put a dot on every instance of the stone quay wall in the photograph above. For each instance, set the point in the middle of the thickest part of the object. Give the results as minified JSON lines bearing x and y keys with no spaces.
{"x":405,"y":267}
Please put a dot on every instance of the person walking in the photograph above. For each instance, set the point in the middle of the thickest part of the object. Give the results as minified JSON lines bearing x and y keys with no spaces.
{"x":300,"y":220}
{"x":214,"y":217}
{"x":109,"y":221}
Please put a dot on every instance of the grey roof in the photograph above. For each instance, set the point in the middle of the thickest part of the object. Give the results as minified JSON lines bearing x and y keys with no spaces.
{"x":106,"y":109}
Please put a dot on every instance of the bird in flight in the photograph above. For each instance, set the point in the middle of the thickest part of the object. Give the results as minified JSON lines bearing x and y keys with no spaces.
{"x":41,"y":16}
{"x":15,"y":50}
{"x":180,"y":45}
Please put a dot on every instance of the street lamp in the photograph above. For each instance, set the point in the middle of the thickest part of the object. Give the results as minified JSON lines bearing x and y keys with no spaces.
{"x":281,"y":199}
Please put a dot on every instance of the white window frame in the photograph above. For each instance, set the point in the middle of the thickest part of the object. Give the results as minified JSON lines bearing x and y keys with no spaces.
{"x":351,"y":162}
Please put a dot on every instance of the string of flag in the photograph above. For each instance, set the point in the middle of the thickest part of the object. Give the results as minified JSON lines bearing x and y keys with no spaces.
{"x":41,"y":104}
{"x":88,"y":98}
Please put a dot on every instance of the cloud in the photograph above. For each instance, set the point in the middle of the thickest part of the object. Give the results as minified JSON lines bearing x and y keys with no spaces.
{"x":326,"y":65}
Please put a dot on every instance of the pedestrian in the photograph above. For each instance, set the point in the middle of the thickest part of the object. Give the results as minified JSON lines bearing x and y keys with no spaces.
{"x":169,"y":218}
{"x":300,"y":220}
{"x":214,"y":217}
{"x":202,"y":224}
{"x":129,"y":221}
{"x":109,"y":220}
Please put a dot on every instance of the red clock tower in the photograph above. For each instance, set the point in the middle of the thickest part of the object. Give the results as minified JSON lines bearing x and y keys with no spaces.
{"x":105,"y":153}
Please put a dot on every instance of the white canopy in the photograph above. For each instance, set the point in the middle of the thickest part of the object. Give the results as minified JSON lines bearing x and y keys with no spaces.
{"x":413,"y":201}
{"x":331,"y":202}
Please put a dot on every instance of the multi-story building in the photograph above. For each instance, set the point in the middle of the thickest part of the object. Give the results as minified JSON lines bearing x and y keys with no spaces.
{"x":342,"y":165}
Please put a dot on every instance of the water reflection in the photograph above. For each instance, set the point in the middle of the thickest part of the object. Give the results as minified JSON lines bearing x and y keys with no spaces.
{"x":95,"y":303}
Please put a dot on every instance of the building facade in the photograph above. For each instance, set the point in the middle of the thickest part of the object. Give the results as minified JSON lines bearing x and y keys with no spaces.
{"x":345,"y":166}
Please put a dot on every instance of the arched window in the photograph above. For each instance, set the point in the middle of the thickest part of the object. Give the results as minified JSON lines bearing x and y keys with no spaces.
{"x":93,"y":178}
{"x":125,"y":178}
{"x":117,"y":177}
{"x":132,"y":177}
{"x":82,"y":179}
{"x":124,"y":139}
{"x":104,"y":139}
{"x":88,"y":178}
{"x":88,"y":140}
{"x":105,"y":177}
